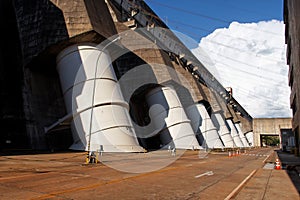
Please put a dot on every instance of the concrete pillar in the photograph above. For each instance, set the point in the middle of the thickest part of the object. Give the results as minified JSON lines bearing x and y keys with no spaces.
{"x":100,"y":115}
{"x":224,"y":132}
{"x":170,"y":119}
{"x":203,"y":125}
{"x":250,"y":139}
{"x":234,"y":134}
{"x":241,"y":134}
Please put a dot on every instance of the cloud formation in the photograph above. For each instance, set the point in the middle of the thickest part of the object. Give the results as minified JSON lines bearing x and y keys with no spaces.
{"x":251,"y":59}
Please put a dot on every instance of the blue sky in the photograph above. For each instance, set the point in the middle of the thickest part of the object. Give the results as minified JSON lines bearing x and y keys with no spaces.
{"x":199,"y":18}
{"x":252,"y":85}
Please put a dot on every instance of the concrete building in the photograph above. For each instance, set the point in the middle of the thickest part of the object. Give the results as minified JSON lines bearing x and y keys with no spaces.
{"x":271,"y":127}
{"x":292,"y":38}
{"x":140,"y":89}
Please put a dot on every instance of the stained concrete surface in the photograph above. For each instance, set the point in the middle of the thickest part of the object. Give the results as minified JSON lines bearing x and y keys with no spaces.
{"x":66,"y":176}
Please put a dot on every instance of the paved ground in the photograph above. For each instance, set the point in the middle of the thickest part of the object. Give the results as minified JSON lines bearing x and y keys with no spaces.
{"x":291,"y":164}
{"x":193,"y":175}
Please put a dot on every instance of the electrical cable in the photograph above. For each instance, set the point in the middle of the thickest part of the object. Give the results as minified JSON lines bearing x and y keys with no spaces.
{"x":211,"y":41}
{"x":220,"y":20}
{"x":203,"y":16}
{"x":244,"y":63}
{"x":196,"y":27}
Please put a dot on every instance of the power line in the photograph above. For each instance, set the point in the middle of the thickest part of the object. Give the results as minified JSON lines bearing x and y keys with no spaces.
{"x":226,"y":35}
{"x":258,"y":95}
{"x":189,"y":25}
{"x":253,"y":66}
{"x":257,"y":67}
{"x":204,"y":16}
{"x":211,"y":41}
{"x":241,"y":89}
{"x":242,"y":50}
{"x":245,"y":9}
{"x":208,"y":31}
{"x":264,"y":79}
{"x":244,"y":63}
{"x":189,"y":12}
{"x":182,"y":30}
{"x":230,"y":5}
{"x":145,"y":12}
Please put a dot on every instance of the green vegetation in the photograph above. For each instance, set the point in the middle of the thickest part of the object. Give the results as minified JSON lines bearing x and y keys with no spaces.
{"x":270,"y":140}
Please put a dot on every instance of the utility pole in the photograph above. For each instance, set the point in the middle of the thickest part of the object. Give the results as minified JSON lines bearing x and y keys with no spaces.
{"x":88,"y":157}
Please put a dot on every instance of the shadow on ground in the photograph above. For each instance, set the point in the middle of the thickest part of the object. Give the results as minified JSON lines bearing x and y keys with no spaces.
{"x":291,"y":164}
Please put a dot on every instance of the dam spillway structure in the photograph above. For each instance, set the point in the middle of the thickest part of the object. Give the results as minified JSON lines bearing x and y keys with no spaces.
{"x":223,"y":130}
{"x":203,"y":124}
{"x":241,"y":134}
{"x":50,"y":116}
{"x":250,"y":139}
{"x":169,"y":116}
{"x":234,"y":133}
{"x":94,"y":99}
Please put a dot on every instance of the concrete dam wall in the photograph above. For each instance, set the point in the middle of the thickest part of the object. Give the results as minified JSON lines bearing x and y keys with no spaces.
{"x":110,"y":76}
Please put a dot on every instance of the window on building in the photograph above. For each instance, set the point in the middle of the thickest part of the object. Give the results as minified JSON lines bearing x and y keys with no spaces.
{"x":294,"y":106}
{"x":288,"y":51}
{"x":291,"y":81}
{"x":297,"y":141}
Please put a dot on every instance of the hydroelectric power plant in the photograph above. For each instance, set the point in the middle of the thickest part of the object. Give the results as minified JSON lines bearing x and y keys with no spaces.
{"x":108,"y":75}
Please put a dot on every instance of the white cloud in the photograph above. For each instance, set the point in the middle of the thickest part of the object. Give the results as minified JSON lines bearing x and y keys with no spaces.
{"x":250,"y":58}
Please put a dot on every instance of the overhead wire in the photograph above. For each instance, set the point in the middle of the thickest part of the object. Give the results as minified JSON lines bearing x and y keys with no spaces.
{"x":243,"y":50}
{"x":238,"y":49}
{"x":230,"y":5}
{"x":189,"y":25}
{"x":226,"y":35}
{"x":244,"y":63}
{"x":204,"y":16}
{"x":216,"y":19}
{"x":260,"y":96}
{"x":263,"y":78}
{"x":247,"y":91}
{"x":189,"y":12}
{"x":265,"y":99}
{"x":147,"y":13}
{"x":231,"y":48}
{"x":199,"y":28}
{"x":253,"y":66}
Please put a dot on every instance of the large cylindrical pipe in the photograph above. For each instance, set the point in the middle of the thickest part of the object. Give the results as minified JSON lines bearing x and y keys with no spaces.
{"x":91,"y":93}
{"x":168,"y":116}
{"x":234,"y":134}
{"x":202,"y":124}
{"x":224,"y":132}
{"x":241,"y":134}
{"x":249,"y":137}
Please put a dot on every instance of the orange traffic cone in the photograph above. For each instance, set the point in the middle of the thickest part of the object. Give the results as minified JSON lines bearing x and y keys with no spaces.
{"x":233,"y":153}
{"x":277,"y":164}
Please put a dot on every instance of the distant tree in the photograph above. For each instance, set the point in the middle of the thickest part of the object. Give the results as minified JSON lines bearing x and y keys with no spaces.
{"x":271,"y":140}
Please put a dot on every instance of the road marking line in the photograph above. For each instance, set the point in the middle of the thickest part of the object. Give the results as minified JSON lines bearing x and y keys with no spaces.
{"x":266,"y":158}
{"x":240,"y":185}
{"x":209,"y":173}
